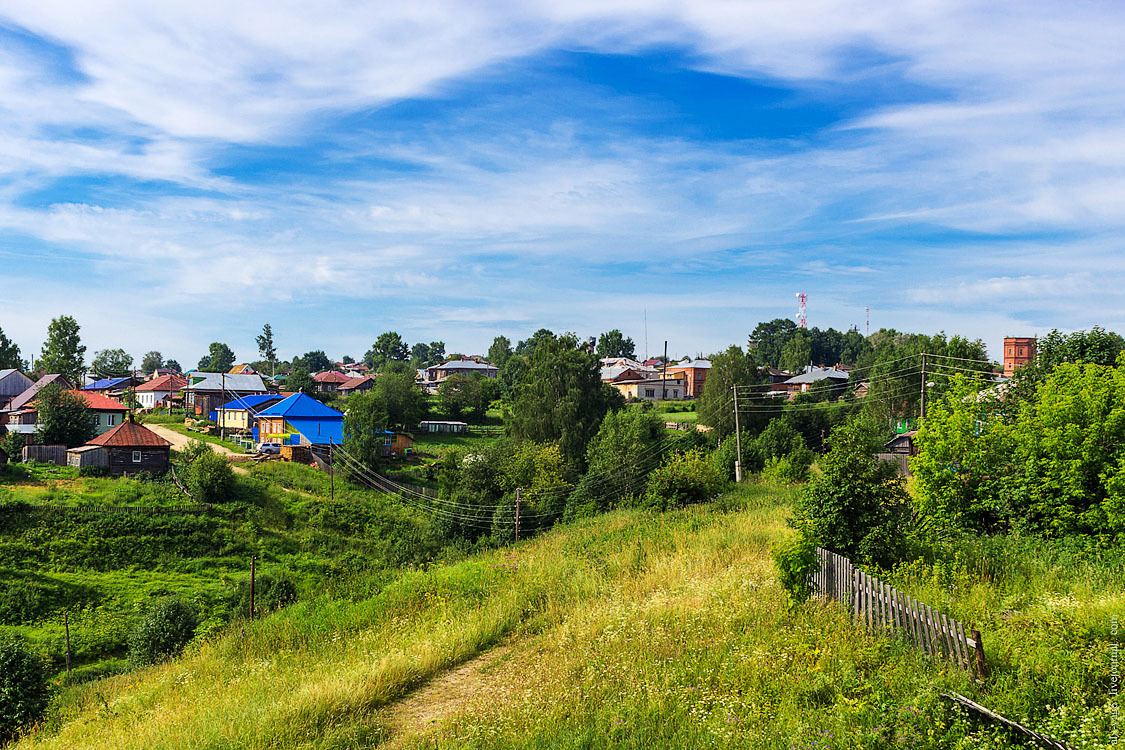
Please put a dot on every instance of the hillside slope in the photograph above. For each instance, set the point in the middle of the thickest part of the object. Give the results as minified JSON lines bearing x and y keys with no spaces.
{"x":626,"y":630}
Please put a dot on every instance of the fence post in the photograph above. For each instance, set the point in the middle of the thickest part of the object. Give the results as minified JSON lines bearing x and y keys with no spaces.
{"x":983,"y":672}
{"x":253,"y":572}
{"x":66,"y":623}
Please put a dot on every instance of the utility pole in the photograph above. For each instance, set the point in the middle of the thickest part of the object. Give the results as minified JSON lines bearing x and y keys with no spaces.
{"x":664,"y":379}
{"x":223,"y":422}
{"x":331,"y":468}
{"x":66,"y":622}
{"x":253,"y":575}
{"x":518,"y":493}
{"x":737,"y":440}
{"x":923,"y":409}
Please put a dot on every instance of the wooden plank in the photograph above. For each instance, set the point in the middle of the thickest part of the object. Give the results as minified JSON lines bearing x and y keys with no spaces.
{"x":947,"y":640}
{"x":962,"y":646}
{"x":1038,"y":739}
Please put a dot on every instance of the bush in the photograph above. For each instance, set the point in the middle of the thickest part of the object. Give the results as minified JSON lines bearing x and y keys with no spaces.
{"x":684,"y":479}
{"x":11,"y":445}
{"x":752,"y":461}
{"x":858,"y":506}
{"x":271,"y":593}
{"x":163,"y":632}
{"x":209,"y":478}
{"x":791,"y":468}
{"x":93,"y":471}
{"x":796,"y":563}
{"x":24,"y":692}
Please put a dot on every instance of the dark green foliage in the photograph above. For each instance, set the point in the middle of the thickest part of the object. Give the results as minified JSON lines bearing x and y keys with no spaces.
{"x":796,"y":564}
{"x":163,"y":632}
{"x":427,"y":355}
{"x":111,"y":363}
{"x":24,"y":692}
{"x":857,"y":506}
{"x":620,"y":457}
{"x":209,"y":478}
{"x":716,"y":405}
{"x":9,"y":354}
{"x":316,"y":361}
{"x":388,"y":347}
{"x":464,"y":398}
{"x":151,"y":361}
{"x":526,"y":347}
{"x":173,"y":365}
{"x":266,"y":349}
{"x":64,"y":418}
{"x":560,"y":398}
{"x":11,"y":445}
{"x":683,"y":479}
{"x":271,"y":593}
{"x":27,"y":597}
{"x":615,"y":344}
{"x":299,"y":379}
{"x":405,"y":403}
{"x":63,"y":352}
{"x":752,"y":460}
{"x":219,"y":358}
{"x":500,"y":351}
{"x":93,"y":471}
{"x":365,"y":424}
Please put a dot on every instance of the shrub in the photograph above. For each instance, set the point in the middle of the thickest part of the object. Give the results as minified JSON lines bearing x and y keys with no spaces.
{"x":791,"y":468}
{"x":751,"y":457}
{"x":209,"y":478}
{"x":24,"y":692}
{"x":11,"y":445}
{"x":93,"y":471}
{"x":858,"y":506}
{"x":271,"y":592}
{"x":684,"y":479}
{"x":163,"y":632}
{"x":796,"y":563}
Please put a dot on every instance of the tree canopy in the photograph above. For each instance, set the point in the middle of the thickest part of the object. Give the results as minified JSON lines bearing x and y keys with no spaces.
{"x":500,"y":351}
{"x":111,"y":363}
{"x":219,"y":358}
{"x":9,"y":354}
{"x":151,"y":362}
{"x":615,"y":344}
{"x":388,"y":347}
{"x":560,"y":397}
{"x":266,"y":348}
{"x":64,"y":418}
{"x":63,"y":351}
{"x":716,"y":404}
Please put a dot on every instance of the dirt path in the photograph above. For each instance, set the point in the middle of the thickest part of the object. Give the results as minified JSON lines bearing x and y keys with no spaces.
{"x":444,"y":696}
{"x":179,"y":442}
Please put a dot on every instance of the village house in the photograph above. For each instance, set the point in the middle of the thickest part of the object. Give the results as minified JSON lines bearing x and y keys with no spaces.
{"x":801,"y":383}
{"x":299,"y":420}
{"x":672,"y":388}
{"x":239,"y":414}
{"x":12,"y":384}
{"x":207,"y":391}
{"x":361,"y":384}
{"x":330,"y":381}
{"x":433,"y":376}
{"x":694,"y":372}
{"x":106,"y":413}
{"x":155,"y":393}
{"x":128,"y":448}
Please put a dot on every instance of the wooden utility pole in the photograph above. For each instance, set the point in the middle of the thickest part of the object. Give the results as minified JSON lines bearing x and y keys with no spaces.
{"x":331,"y":468}
{"x":518,"y":493}
{"x":221,"y":413}
{"x":737,"y":439}
{"x":66,"y":623}
{"x":664,"y":379}
{"x":923,"y":409}
{"x":253,"y":576}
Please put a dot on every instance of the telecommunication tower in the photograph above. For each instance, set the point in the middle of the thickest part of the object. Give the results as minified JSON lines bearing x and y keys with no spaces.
{"x":868,"y":311}
{"x":802,"y":321}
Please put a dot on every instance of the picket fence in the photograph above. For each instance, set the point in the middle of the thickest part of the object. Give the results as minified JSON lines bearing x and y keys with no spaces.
{"x":877,"y":604}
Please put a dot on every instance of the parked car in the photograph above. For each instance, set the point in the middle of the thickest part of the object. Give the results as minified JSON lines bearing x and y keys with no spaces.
{"x":264,"y":448}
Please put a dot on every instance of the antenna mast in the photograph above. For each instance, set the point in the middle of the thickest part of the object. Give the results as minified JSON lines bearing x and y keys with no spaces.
{"x":802,"y":320}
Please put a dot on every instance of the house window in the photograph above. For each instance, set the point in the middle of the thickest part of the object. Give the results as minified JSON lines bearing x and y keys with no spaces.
{"x":650,"y":392}
{"x":110,"y":420}
{"x":136,"y":457}
{"x":98,"y":420}
{"x":387,"y":441}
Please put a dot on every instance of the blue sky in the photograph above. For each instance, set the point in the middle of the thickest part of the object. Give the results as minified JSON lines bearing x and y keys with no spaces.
{"x":173,"y":176}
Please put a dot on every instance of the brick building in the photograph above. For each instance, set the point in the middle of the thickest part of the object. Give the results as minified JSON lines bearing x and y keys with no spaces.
{"x":1018,"y":351}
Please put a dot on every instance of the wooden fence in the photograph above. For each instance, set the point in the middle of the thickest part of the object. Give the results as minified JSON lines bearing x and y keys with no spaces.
{"x":45,"y":454}
{"x":151,"y":510}
{"x":877,"y":604}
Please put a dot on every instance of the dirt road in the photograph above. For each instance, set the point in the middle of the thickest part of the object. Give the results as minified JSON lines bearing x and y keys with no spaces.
{"x":179,"y":442}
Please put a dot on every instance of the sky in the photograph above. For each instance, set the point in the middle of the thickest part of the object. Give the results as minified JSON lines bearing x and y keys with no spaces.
{"x":177,"y":174}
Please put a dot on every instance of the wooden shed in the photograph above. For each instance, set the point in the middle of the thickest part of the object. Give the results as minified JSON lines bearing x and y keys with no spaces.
{"x":86,"y":455}
{"x":131,"y":448}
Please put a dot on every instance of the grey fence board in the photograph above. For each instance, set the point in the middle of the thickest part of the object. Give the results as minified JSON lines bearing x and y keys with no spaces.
{"x":878,"y":605}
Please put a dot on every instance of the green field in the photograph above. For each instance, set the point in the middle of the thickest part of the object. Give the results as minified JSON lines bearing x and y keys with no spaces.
{"x":632,"y":629}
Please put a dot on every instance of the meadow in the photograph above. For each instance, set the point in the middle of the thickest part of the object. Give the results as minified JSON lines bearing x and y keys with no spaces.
{"x":631,"y":629}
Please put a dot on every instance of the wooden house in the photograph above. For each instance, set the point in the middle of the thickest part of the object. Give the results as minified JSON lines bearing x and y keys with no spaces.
{"x":131,"y":448}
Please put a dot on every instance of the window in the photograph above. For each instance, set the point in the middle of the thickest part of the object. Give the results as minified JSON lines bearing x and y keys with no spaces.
{"x":110,"y":419}
{"x":136,"y":457}
{"x":650,"y":392}
{"x":98,"y":420}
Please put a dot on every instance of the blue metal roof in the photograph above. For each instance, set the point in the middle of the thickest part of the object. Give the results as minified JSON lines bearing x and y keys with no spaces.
{"x":300,"y":405}
{"x":249,"y":402}
{"x":321,"y":431}
{"x":101,"y":385}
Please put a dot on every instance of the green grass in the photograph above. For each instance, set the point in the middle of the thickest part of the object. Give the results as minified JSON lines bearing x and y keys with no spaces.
{"x":631,"y":629}
{"x":434,"y":443}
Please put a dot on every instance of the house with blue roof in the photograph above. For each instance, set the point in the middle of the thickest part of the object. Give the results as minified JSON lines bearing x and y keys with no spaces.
{"x":109,"y":386}
{"x":239,"y":414}
{"x":299,"y":420}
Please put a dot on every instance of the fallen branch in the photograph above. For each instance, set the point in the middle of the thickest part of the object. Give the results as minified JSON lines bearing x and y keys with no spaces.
{"x":1035,"y":737}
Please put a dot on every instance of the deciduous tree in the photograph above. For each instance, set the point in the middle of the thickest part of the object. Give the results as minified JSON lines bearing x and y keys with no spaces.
{"x":64,"y":418}
{"x":111,"y":363}
{"x":151,"y":362}
{"x":615,"y":344}
{"x":266,"y":348}
{"x":9,"y":354}
{"x":63,"y":352}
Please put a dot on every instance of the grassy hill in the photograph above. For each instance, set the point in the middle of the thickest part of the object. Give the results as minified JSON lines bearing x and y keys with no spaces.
{"x":631,"y":629}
